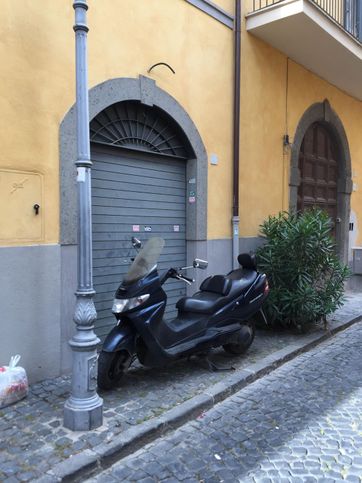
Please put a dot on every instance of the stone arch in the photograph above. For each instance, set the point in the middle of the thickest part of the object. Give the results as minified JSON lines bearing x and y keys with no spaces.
{"x":135,"y":126}
{"x":323,"y":113}
{"x":147,"y":92}
{"x":101,"y":96}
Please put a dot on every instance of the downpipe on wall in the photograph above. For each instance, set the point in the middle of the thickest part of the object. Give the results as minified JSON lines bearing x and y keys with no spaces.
{"x":236,"y":134}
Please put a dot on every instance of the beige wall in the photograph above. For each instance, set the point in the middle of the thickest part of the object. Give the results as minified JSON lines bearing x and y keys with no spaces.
{"x":125,"y":39}
{"x":262,"y":127}
{"x":275,"y":93}
{"x":36,"y":87}
{"x":227,"y":5}
{"x":200,"y":50}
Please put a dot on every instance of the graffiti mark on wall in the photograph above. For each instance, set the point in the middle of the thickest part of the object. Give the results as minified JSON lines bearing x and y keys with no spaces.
{"x":17,"y":186}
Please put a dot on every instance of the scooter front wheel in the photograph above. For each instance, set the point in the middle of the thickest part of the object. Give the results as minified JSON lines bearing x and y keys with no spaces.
{"x":244,"y":340}
{"x":111,"y":368}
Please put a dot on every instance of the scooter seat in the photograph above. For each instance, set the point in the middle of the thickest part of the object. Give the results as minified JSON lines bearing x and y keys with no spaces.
{"x":217,"y":291}
{"x":201,"y":302}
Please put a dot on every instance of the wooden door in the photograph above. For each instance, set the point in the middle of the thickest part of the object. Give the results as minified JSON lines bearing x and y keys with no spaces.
{"x":318,"y":165}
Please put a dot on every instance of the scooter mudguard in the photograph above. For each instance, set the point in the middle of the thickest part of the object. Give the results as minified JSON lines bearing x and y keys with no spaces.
{"x":121,"y":337}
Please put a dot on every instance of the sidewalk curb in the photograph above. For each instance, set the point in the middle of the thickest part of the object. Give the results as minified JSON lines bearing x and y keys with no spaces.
{"x":89,"y":462}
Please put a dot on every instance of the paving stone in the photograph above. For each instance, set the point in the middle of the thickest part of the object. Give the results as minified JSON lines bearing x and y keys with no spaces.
{"x":210,"y":447}
{"x":11,"y":479}
{"x":121,"y":472}
{"x":27,"y":476}
{"x":312,"y":464}
{"x":63,"y":442}
{"x":146,"y":393}
{"x":107,"y":478}
{"x":353,"y":478}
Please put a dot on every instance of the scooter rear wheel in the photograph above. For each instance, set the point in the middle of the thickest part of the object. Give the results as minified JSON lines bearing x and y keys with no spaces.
{"x":111,"y":368}
{"x":245,"y":338}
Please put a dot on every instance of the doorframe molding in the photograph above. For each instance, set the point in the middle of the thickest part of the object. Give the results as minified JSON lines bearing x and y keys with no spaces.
{"x":322,"y":112}
{"x":146,"y":91}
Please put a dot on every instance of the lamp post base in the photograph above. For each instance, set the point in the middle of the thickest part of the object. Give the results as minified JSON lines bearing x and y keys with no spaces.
{"x":83,"y":414}
{"x":83,"y":408}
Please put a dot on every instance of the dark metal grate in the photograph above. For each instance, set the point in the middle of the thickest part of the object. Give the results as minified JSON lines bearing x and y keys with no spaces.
{"x":133,"y":125}
{"x":346,"y":13}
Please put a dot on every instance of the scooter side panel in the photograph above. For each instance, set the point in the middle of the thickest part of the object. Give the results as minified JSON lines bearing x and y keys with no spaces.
{"x":121,"y":337}
{"x":253,"y":300}
{"x":241,"y":308}
{"x":147,"y":323}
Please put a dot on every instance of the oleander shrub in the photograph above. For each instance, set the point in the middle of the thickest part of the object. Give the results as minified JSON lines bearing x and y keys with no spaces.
{"x":305,"y":275}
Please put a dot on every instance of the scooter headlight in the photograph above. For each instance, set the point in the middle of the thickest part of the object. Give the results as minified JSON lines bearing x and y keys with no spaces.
{"x":122,"y":305}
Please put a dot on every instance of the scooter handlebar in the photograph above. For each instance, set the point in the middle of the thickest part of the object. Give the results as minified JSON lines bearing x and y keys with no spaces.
{"x":173,"y":273}
{"x":186,"y":279}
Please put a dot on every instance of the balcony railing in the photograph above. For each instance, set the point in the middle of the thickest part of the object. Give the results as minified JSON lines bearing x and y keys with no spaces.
{"x":346,"y":13}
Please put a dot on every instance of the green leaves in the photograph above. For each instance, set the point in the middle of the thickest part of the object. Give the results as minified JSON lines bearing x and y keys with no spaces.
{"x":305,"y":275}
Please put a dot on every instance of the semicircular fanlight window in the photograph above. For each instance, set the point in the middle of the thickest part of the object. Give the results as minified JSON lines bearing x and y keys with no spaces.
{"x":133,"y":125}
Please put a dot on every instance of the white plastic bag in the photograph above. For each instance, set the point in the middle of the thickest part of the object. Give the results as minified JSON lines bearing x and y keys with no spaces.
{"x":13,"y":383}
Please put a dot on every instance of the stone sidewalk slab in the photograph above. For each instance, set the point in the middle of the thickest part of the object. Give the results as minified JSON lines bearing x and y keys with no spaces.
{"x":35,"y":446}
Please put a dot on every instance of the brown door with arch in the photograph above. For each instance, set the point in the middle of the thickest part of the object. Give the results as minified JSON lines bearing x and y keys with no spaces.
{"x":318,"y":166}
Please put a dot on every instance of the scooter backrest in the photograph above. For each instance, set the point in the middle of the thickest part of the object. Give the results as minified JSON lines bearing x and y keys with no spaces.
{"x":247,"y":261}
{"x":217,"y":283}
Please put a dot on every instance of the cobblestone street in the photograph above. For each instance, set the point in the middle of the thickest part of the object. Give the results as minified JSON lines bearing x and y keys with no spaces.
{"x":145,"y":398}
{"x":302,"y":423}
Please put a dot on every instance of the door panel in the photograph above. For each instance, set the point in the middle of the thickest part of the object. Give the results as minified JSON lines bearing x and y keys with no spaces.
{"x":318,"y":169}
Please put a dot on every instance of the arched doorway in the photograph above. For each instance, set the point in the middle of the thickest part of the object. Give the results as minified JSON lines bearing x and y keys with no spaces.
{"x":318,"y":167}
{"x":145,"y":91}
{"x":320,"y":172}
{"x":139,"y":157}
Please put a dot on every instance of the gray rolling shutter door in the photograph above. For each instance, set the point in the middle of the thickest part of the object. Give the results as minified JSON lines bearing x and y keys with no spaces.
{"x":131,"y":190}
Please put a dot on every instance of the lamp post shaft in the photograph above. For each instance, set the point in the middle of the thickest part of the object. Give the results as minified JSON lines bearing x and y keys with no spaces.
{"x":83,"y":409}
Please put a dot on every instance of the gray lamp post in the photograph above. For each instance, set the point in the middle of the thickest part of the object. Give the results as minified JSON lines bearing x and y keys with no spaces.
{"x":83,"y":409}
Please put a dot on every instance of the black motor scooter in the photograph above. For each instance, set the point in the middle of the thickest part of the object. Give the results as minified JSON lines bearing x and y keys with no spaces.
{"x":218,"y":315}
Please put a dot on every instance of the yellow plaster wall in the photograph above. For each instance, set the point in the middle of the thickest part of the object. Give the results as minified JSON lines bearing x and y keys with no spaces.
{"x":36,"y":88}
{"x":126,"y":37}
{"x":227,"y":5}
{"x":263,"y":83}
{"x":200,"y":50}
{"x":272,"y":106}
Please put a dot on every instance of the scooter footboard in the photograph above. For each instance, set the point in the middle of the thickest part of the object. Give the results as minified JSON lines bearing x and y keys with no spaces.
{"x":121,"y":337}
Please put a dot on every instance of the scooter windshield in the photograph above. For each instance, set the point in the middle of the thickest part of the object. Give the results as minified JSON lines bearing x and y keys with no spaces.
{"x":146,"y":260}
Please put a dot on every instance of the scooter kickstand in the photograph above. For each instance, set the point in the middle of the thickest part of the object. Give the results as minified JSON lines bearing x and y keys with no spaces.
{"x":212,"y":366}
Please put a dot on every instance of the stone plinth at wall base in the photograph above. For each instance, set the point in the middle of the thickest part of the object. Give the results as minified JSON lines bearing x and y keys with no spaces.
{"x":85,"y":418}
{"x":354,"y":283}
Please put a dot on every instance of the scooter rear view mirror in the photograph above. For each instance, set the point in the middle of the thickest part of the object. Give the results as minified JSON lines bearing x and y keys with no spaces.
{"x":198,"y":263}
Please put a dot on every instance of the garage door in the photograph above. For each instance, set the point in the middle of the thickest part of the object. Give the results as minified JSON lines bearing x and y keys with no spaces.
{"x":135,"y":194}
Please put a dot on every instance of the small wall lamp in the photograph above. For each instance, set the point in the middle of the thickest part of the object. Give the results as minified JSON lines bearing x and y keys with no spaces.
{"x":286,"y":140}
